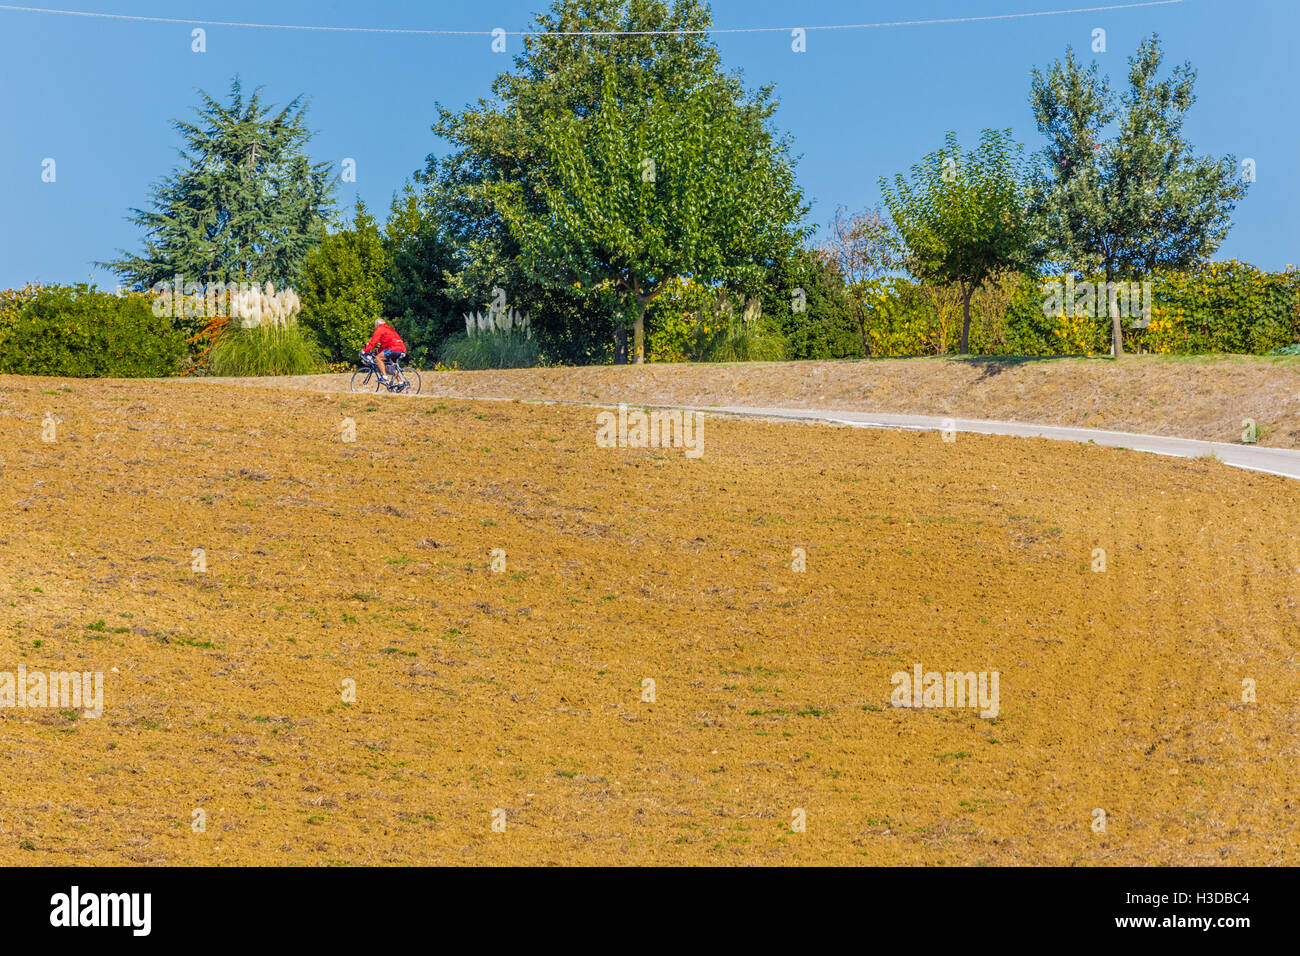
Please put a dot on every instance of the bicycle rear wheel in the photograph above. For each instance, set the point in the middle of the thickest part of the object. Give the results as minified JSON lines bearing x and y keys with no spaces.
{"x":412,"y":377}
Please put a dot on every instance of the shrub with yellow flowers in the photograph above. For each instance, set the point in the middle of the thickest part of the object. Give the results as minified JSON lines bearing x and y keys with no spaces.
{"x":1221,"y":307}
{"x":677,"y":321}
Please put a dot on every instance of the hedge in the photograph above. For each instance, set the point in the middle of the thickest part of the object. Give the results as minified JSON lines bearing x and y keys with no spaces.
{"x":1225,"y":307}
{"x":1222,"y":307}
{"x":80,"y":332}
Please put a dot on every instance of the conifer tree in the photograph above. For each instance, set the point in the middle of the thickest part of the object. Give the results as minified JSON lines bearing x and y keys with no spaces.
{"x":245,"y":204}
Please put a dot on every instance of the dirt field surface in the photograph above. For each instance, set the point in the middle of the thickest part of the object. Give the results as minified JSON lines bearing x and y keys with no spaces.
{"x":517,"y":697}
{"x":1204,"y":398}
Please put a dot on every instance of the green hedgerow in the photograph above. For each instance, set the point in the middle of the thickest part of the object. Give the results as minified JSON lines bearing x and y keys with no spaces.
{"x":81,"y":332}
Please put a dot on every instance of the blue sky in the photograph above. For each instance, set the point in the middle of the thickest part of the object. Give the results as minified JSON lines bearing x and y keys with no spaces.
{"x":96,"y":96}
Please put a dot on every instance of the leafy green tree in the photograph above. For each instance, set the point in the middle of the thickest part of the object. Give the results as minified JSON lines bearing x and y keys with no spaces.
{"x":639,"y":193}
{"x":501,"y":141}
{"x":964,"y":218}
{"x":1140,"y":201}
{"x":344,"y":285}
{"x":421,"y":260}
{"x":245,"y":206}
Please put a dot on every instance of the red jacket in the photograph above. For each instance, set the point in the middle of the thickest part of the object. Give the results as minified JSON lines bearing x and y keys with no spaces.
{"x":386,"y":339}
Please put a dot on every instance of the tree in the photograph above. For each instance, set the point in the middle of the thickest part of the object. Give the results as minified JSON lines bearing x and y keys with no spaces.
{"x":1139,"y":202}
{"x":420,"y":262}
{"x":862,"y":246}
{"x":808,"y":300}
{"x":246,"y":205}
{"x":639,"y":193}
{"x":500,"y":142}
{"x":343,"y":286}
{"x":964,"y":219}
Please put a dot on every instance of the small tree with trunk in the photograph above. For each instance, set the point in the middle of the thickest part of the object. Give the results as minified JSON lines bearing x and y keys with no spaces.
{"x":963,"y":218}
{"x":657,"y":49}
{"x":862,"y":246}
{"x":1140,"y":201}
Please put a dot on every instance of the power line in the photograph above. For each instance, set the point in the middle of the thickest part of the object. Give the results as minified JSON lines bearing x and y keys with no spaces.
{"x":582,"y":33}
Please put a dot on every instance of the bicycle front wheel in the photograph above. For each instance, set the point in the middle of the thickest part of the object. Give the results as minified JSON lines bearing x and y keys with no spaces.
{"x":361,"y":381}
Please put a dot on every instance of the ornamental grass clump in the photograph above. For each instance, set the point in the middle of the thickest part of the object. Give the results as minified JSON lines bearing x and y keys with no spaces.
{"x":264,"y":338}
{"x":739,"y":338}
{"x":500,"y":339}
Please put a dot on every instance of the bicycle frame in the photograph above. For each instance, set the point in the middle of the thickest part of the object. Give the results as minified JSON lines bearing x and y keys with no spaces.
{"x":394,"y":367}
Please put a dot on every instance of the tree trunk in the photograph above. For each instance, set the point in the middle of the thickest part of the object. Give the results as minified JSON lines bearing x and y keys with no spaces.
{"x":638,"y":331}
{"x":620,"y":343}
{"x":1116,"y":328}
{"x":965,"y":320}
{"x":862,"y":331}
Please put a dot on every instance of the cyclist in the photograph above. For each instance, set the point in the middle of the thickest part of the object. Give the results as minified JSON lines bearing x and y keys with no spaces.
{"x":389,"y":344}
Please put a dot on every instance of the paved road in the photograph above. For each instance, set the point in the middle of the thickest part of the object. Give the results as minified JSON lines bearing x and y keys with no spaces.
{"x":1273,"y":461}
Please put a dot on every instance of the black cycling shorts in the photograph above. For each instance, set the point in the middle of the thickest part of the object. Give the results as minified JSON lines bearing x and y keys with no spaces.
{"x":391,"y":354}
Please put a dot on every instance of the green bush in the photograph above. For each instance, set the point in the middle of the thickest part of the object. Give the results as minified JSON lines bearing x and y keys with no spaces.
{"x":494,"y":349}
{"x":342,"y":285}
{"x":693,"y":323}
{"x":809,"y":302}
{"x":1224,"y":307}
{"x":673,"y":322}
{"x":82,"y":332}
{"x":266,"y":350}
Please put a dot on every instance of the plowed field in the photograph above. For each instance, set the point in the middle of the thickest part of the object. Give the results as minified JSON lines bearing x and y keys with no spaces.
{"x":516,"y":696}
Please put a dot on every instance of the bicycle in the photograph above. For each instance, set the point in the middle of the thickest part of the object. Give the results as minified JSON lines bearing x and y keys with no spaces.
{"x":399,"y":379}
